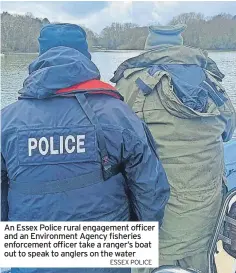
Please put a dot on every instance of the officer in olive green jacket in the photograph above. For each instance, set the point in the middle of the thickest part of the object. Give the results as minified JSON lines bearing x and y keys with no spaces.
{"x":176,"y":90}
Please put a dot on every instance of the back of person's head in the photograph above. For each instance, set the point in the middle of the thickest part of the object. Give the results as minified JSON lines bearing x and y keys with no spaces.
{"x":68,"y":35}
{"x":164,"y":36}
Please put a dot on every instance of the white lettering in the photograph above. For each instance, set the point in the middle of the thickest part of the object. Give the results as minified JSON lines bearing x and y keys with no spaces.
{"x":80,"y":142}
{"x":43,"y":140}
{"x":52,"y":151}
{"x":69,"y":144}
{"x":32,"y":144}
{"x":72,"y":139}
{"x":61,"y":145}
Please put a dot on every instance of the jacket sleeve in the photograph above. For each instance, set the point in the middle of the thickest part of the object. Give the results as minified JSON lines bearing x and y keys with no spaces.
{"x":228,"y":115}
{"x":227,"y":111}
{"x":146,"y":179}
{"x":4,"y":191}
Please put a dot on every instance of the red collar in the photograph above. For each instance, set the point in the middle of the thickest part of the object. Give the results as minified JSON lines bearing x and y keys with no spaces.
{"x":92,"y":86}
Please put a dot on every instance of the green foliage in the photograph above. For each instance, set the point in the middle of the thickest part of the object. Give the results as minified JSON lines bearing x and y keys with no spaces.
{"x":20,"y":33}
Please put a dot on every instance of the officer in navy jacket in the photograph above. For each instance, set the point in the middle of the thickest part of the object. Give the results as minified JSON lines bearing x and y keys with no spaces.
{"x":72,"y":150}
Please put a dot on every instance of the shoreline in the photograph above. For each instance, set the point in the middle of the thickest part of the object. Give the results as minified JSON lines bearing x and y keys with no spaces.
{"x":112,"y":50}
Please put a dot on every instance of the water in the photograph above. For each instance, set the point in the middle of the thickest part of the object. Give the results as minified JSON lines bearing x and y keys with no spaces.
{"x":15,"y":70}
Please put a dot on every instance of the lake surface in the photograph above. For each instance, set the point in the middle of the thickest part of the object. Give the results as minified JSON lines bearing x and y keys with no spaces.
{"x":15,"y":70}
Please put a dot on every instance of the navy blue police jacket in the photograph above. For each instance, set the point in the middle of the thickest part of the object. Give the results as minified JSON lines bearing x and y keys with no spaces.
{"x":72,"y":150}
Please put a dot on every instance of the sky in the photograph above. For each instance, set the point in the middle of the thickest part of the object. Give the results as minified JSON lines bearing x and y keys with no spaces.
{"x":99,"y":14}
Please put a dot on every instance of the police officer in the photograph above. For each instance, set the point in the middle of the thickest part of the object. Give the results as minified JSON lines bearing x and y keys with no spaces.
{"x":72,"y":150}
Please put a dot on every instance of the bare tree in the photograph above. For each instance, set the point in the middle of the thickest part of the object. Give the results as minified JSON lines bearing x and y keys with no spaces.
{"x":20,"y":33}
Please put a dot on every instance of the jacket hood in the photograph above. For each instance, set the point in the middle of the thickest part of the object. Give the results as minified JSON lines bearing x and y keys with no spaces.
{"x":169,"y":55}
{"x":59,"y":67}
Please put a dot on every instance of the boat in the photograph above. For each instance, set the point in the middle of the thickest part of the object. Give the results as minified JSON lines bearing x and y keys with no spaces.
{"x":230,"y":163}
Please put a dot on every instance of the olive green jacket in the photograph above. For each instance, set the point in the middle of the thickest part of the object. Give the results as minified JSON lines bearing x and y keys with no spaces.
{"x":189,"y":144}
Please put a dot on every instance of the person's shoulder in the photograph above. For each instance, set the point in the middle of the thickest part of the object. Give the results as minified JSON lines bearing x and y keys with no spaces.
{"x":11,"y":112}
{"x":113,"y":107}
{"x":117,"y":113}
{"x":13,"y":107}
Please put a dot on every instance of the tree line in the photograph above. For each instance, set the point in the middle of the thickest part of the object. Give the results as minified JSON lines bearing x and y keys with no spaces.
{"x":20,"y":33}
